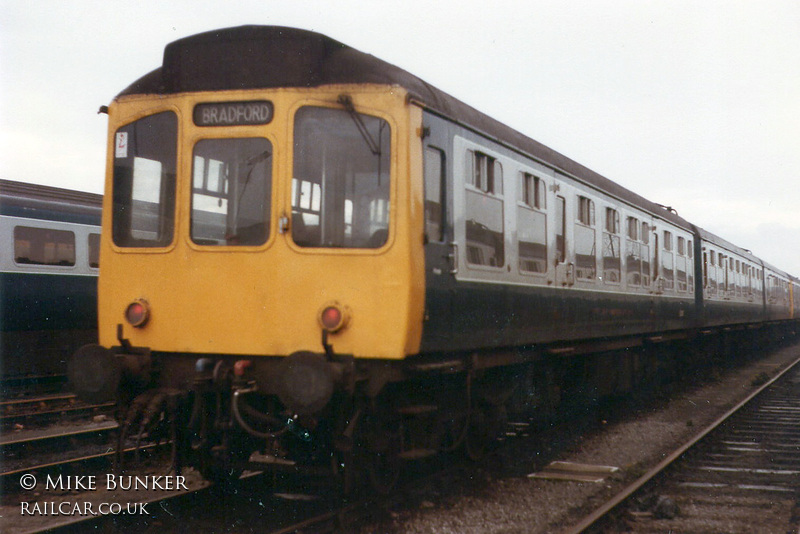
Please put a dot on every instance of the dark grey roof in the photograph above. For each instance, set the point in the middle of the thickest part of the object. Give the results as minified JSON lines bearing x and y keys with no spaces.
{"x":41,"y":201}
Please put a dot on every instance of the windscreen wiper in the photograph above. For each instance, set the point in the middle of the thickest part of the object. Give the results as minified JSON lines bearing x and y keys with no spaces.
{"x":252,"y":161}
{"x":347,"y":102}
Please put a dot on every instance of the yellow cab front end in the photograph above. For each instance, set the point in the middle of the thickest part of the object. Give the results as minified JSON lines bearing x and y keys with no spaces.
{"x":248,"y":226}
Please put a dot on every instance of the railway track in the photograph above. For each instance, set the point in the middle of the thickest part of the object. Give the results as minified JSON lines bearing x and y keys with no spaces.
{"x":53,"y":446}
{"x":20,"y":386}
{"x":740,"y":474}
{"x":312,"y":511}
{"x":276,"y":509}
{"x":36,"y":411}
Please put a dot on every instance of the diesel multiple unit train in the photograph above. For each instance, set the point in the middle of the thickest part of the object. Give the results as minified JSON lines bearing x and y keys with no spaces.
{"x":50,"y":239}
{"x":312,"y":257}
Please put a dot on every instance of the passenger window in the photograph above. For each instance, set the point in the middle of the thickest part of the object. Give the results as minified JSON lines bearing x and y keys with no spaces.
{"x":611,"y":248}
{"x":681,"y":274}
{"x":712,"y":273}
{"x":633,"y":257}
{"x":585,"y":256}
{"x":585,"y":211}
{"x":484,"y":211}
{"x":668,"y":262}
{"x":645,"y":249}
{"x":434,"y":198}
{"x":487,"y":172}
{"x":722,"y":273}
{"x":612,"y":221}
{"x":532,"y":191}
{"x":94,"y":251}
{"x":633,"y":228}
{"x":44,"y":246}
{"x":532,"y":226}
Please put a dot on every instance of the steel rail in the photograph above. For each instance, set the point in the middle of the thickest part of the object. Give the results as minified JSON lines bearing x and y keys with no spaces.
{"x":628,"y":491}
{"x":80,"y":459}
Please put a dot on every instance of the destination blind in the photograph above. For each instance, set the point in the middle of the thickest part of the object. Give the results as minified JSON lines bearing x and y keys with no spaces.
{"x":233,"y":113}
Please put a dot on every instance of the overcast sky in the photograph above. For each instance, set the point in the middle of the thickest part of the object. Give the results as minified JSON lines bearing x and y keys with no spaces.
{"x":695,"y":105}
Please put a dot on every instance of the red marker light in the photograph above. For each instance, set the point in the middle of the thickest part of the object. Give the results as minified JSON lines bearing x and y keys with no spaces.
{"x":137,"y":313}
{"x":333,"y":317}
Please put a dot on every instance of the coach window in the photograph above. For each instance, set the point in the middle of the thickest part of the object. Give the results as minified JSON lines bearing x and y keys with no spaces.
{"x":611,"y":247}
{"x":633,"y":256}
{"x":486,"y":172}
{"x":712,"y":272}
{"x":434,"y":189}
{"x":585,"y":249}
{"x":729,"y":283}
{"x":738,"y":278}
{"x":532,"y":191}
{"x":341,"y":179}
{"x":668,"y":262}
{"x":484,"y":210}
{"x":94,"y":251}
{"x":44,"y":246}
{"x":759,"y":282}
{"x":680,"y":265}
{"x":231,"y":191}
{"x":532,"y":225}
{"x":645,"y":250}
{"x":144,"y":181}
{"x":724,"y":275}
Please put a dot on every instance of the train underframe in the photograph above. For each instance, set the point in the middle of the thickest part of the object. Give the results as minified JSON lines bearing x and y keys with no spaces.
{"x":361,"y":420}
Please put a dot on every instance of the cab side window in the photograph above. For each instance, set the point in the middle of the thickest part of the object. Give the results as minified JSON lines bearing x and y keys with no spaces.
{"x":434,"y":193}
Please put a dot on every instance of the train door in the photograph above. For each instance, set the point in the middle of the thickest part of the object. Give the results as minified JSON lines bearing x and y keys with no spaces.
{"x":441,"y":252}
